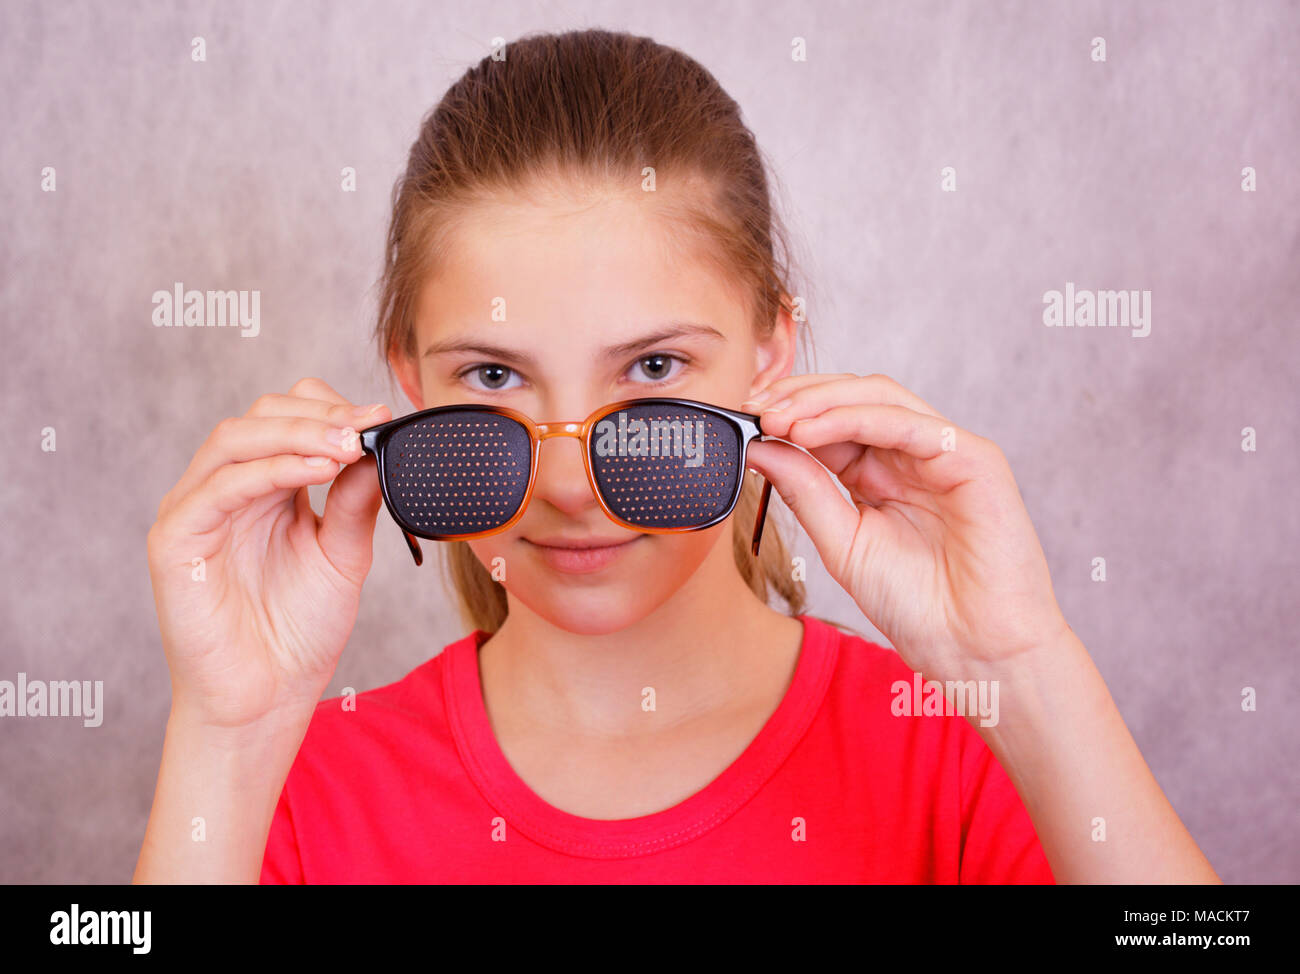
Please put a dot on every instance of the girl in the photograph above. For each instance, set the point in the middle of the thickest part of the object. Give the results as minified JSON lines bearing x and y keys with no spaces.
{"x":584,"y":222}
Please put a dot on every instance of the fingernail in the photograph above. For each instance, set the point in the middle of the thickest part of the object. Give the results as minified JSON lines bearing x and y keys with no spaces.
{"x":361,"y":412}
{"x":777,"y":405}
{"x":759,"y":399}
{"x":346,"y":437}
{"x":317,"y":461}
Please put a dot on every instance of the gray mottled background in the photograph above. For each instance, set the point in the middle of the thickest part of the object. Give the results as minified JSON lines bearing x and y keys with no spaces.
{"x":1126,"y":174}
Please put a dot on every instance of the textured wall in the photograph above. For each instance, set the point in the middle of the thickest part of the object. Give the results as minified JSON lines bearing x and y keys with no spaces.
{"x":1117,"y":174}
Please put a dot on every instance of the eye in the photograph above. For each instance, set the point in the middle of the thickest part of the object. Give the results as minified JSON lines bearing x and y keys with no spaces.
{"x":491,"y":376}
{"x":656,"y":368}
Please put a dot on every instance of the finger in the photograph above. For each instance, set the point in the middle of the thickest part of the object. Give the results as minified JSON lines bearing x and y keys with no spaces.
{"x":812,"y":397}
{"x":829,"y":518}
{"x":313,"y":397}
{"x":235,"y":486}
{"x":892,"y":427}
{"x":782,"y":387}
{"x":931,"y":441}
{"x":240,"y":439}
{"x":347,"y":529}
{"x":835,"y":457}
{"x":343,"y":413}
{"x":871,"y":475}
{"x":314,"y":388}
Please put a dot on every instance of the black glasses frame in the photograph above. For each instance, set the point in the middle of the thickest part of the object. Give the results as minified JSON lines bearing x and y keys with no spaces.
{"x":375,"y":441}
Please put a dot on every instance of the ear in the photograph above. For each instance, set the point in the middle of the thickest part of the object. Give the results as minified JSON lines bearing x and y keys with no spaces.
{"x":775,"y":354}
{"x":407,"y":370}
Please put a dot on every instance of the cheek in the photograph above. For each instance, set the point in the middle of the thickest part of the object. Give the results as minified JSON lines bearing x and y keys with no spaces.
{"x":677,"y":556}
{"x":669,"y":563}
{"x":492,"y":553}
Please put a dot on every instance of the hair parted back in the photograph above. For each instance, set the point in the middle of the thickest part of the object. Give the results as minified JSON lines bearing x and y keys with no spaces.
{"x":599,"y":107}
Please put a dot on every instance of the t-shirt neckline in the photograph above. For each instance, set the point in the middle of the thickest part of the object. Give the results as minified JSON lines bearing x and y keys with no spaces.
{"x":528,"y":813}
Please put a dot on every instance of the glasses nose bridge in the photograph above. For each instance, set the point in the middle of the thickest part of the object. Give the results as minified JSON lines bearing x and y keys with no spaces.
{"x":547,"y":430}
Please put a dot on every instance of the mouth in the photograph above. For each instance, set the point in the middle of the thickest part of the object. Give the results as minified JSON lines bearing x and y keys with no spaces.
{"x":580,"y":556}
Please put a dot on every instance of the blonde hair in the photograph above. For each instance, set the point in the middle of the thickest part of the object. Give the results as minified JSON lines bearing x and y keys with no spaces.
{"x":603,"y":105}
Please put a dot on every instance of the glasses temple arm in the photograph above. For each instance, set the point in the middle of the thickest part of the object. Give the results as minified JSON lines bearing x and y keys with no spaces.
{"x":762,"y":517}
{"x":414,"y":545}
{"x":370,"y":444}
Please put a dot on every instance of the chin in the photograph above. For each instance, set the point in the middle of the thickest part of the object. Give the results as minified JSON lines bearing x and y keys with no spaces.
{"x":596,"y":611}
{"x":585,"y":623}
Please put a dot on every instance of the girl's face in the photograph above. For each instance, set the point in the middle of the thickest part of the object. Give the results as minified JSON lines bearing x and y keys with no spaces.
{"x":555,"y":307}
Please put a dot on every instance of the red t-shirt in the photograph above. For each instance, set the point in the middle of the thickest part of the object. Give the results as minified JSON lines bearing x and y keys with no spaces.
{"x":411,"y":787}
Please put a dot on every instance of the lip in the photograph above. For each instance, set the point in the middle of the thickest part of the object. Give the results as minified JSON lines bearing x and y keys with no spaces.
{"x":581,"y":556}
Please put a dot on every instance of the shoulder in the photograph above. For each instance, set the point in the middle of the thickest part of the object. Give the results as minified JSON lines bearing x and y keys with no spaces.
{"x":379,"y":726}
{"x":868,"y":677}
{"x":859,"y":660}
{"x":361,"y":754}
{"x":925,"y":751}
{"x":888,"y":708}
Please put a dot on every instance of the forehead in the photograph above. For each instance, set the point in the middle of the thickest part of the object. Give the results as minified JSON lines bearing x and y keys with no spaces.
{"x":598,"y":260}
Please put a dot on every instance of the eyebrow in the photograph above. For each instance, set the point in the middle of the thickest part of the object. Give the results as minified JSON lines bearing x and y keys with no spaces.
{"x":679,"y":329}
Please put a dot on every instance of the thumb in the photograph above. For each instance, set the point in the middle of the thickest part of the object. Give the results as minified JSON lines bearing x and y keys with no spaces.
{"x":347,"y":529}
{"x":809,"y":490}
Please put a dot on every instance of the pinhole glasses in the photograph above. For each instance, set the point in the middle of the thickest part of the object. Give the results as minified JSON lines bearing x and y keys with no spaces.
{"x":453,"y":473}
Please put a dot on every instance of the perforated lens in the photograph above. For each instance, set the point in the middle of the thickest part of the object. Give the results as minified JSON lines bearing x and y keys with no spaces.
{"x":458,"y":473}
{"x":665,"y":465}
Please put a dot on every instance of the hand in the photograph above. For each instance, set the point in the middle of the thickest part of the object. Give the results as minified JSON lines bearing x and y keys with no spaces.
{"x":263,"y":630}
{"x":935,"y":546}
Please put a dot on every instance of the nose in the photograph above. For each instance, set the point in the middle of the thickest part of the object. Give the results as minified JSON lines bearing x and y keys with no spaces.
{"x":561,"y":472}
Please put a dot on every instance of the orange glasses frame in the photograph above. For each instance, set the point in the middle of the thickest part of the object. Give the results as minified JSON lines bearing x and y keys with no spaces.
{"x":375,"y":439}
